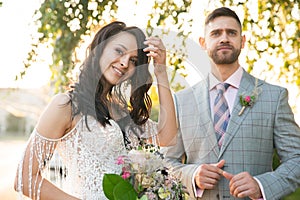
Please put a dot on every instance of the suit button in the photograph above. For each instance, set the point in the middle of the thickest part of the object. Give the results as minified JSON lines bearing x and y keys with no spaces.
{"x":218,"y":196}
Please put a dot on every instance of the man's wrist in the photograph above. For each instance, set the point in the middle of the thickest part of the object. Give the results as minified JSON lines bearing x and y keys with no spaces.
{"x":261,"y":190}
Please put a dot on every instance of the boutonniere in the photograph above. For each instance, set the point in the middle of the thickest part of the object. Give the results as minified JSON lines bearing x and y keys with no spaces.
{"x":249,"y":100}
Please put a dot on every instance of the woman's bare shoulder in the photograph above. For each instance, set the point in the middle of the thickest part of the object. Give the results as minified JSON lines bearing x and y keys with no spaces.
{"x":56,"y":117}
{"x":60,"y":98}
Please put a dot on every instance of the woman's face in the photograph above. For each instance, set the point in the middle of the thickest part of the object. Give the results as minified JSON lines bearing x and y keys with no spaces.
{"x":119,"y":58}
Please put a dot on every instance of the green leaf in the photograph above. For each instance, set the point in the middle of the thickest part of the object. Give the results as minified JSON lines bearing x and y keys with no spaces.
{"x":124,"y":191}
{"x":116,"y":188}
{"x":109,"y":183}
{"x":144,"y":197}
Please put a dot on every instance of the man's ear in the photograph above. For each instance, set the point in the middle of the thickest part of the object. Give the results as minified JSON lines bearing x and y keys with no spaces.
{"x":243,"y":41}
{"x":202,"y":42}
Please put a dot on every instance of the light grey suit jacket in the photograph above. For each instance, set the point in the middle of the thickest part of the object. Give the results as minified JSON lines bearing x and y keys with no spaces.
{"x":249,"y":141}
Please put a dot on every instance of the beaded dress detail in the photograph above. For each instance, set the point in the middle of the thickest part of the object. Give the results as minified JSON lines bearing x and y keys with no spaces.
{"x":84,"y":157}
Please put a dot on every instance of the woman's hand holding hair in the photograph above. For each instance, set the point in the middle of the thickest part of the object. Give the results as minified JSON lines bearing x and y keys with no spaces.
{"x":167,"y":126}
{"x":157,"y":51}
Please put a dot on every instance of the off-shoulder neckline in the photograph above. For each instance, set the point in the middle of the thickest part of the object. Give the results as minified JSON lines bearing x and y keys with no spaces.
{"x":64,"y":136}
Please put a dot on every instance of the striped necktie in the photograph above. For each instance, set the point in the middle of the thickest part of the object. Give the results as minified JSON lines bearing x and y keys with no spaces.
{"x":221,"y":113}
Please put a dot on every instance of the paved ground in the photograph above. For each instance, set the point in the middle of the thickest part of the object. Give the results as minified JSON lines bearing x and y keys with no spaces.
{"x":10,"y":154}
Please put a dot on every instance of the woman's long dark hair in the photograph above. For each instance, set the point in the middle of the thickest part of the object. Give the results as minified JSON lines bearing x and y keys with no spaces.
{"x":88,"y":96}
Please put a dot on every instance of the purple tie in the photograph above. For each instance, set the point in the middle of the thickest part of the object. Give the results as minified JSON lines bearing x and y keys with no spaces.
{"x":221,"y":113}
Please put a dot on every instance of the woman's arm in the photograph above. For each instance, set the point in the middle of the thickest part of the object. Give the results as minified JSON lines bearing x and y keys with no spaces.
{"x":167,"y":126}
{"x":54,"y":122}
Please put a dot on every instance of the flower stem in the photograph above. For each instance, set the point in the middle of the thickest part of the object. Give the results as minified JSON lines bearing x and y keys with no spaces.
{"x":242,"y":110}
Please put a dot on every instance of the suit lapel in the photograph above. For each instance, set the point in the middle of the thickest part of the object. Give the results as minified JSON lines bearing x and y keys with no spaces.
{"x":246,"y":87}
{"x":206,"y":117}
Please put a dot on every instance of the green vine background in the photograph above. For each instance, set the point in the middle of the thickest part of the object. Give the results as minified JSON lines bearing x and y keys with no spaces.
{"x":273,"y":31}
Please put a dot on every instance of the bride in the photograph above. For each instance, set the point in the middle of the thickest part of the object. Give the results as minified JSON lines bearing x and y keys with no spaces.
{"x":93,"y":123}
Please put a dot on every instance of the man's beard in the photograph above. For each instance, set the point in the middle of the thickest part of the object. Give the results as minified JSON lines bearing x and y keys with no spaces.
{"x":225,"y":57}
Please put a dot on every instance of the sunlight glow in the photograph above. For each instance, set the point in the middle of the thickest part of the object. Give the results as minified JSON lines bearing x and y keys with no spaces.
{"x":15,"y":19}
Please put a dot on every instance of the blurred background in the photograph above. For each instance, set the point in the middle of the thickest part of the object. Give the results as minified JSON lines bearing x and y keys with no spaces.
{"x":43,"y":44}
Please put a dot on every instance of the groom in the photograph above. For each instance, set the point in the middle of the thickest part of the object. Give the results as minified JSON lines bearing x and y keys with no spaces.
{"x":225,"y":146}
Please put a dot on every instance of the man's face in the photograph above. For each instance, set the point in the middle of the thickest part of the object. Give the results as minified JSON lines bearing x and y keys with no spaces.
{"x":223,"y":41}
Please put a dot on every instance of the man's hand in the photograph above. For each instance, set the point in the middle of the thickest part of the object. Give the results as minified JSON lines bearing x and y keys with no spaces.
{"x":243,"y":185}
{"x":208,"y":175}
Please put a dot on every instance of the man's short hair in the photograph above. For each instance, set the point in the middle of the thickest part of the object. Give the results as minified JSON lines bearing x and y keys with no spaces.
{"x":222,"y":12}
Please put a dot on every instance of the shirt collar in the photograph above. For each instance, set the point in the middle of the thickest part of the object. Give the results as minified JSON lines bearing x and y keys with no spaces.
{"x":234,"y":80}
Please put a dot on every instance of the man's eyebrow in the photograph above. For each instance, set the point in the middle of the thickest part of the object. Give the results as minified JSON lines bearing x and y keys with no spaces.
{"x":230,"y":29}
{"x":226,"y":29}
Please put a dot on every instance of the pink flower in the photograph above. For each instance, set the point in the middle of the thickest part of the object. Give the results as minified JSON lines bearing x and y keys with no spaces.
{"x":120,"y":160}
{"x":248,"y":99}
{"x":126,"y":174}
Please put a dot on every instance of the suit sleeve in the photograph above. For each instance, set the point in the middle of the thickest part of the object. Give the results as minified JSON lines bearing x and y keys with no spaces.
{"x":175,"y":158}
{"x":286,"y":178}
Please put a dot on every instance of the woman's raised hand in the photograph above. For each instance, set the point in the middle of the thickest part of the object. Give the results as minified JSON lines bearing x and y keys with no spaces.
{"x":157,"y":51}
{"x":167,"y":126}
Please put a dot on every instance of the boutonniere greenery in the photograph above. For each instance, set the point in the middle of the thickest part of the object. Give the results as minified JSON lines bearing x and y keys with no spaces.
{"x":249,"y":100}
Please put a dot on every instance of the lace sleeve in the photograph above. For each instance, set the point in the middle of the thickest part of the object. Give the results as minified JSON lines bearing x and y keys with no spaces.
{"x":35,"y":162}
{"x":135,"y":134}
{"x":150,"y":132}
{"x":149,"y":129}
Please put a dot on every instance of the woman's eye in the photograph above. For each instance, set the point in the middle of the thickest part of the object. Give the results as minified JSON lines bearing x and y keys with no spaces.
{"x":119,"y":51}
{"x":133,"y":61}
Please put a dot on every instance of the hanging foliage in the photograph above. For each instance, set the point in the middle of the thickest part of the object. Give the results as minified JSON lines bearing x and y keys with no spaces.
{"x":62,"y":24}
{"x":273,"y":28}
{"x":273,"y":37}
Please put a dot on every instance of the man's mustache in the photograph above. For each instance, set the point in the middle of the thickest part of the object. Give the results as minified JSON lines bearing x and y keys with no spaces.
{"x":224,"y":46}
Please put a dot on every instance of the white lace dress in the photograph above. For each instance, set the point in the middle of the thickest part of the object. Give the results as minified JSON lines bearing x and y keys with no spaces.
{"x":85,"y":156}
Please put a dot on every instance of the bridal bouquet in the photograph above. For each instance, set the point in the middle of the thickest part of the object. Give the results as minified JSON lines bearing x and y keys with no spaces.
{"x":143,"y":177}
